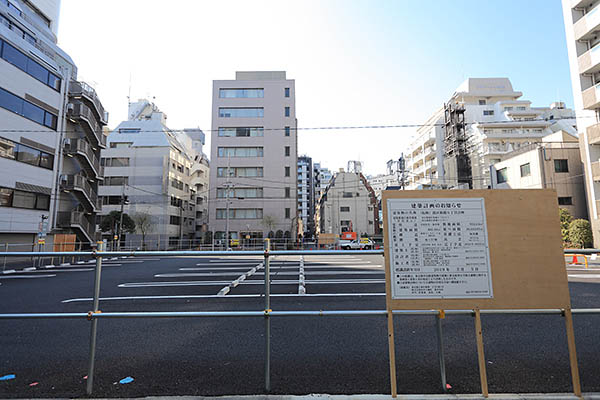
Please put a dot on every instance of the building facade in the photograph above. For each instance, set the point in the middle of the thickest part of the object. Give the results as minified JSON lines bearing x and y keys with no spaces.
{"x":483,"y":120}
{"x":348,"y":204}
{"x":582,"y":21}
{"x":52,"y":131}
{"x":154,"y":172}
{"x":554,"y":163}
{"x":254,"y":157}
{"x":306,"y":197}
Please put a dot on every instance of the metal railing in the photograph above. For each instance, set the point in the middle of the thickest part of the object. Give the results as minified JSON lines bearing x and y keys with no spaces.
{"x":85,"y":113}
{"x":79,"y":146}
{"x":95,"y":315}
{"x":77,"y":88}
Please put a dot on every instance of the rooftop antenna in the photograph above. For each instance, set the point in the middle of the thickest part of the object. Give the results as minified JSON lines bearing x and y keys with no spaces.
{"x":129,"y":93}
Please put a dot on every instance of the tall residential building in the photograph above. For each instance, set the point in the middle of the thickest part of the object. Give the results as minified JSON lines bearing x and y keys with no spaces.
{"x":306,"y":196}
{"x":322,"y":178}
{"x":348,"y":204}
{"x":554,"y":163}
{"x":582,"y":22}
{"x":156,"y":171}
{"x":51,"y":131}
{"x":254,"y":156}
{"x":483,"y":120}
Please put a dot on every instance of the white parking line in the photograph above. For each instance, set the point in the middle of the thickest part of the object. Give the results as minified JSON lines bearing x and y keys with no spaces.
{"x":215,"y":296}
{"x":301,"y":287}
{"x":224,"y":291}
{"x":27,"y":276}
{"x":197,"y":274}
{"x":59,"y":270}
{"x":591,"y":276}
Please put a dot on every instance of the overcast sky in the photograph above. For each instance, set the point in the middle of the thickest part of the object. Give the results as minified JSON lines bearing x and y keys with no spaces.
{"x":355,"y":62}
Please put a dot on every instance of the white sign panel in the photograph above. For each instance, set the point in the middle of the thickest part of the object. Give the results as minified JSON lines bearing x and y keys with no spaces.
{"x":438,"y":249}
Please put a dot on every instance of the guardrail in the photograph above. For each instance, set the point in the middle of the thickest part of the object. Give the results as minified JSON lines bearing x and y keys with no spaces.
{"x":95,"y":314}
{"x":585,"y":260}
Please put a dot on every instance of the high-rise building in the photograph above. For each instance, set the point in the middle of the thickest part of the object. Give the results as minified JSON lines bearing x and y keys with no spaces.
{"x":52,"y":131}
{"x":306,"y":196}
{"x":157,"y":173}
{"x":254,"y":157}
{"x":483,"y":120}
{"x":582,"y":22}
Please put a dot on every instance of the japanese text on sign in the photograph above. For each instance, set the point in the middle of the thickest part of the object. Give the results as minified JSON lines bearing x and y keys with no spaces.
{"x":438,"y":249}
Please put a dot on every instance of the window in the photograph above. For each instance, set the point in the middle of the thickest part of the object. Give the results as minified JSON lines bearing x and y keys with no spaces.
{"x":482,"y":102}
{"x":287,"y":171}
{"x":241,"y":112}
{"x":488,"y":112}
{"x":565,"y":201}
{"x":242,"y":132}
{"x":287,"y":111}
{"x":115,"y":162}
{"x":27,"y":64}
{"x":240,"y":151}
{"x":130,"y":130}
{"x":508,"y":108}
{"x":241,"y":93}
{"x":344,"y":209}
{"x":6,"y":196}
{"x":287,"y":151}
{"x":21,"y":199}
{"x":525,"y":170}
{"x":7,"y":148}
{"x":26,"y":109}
{"x":287,"y":131}
{"x":174,"y":220}
{"x":501,"y":175}
{"x":561,"y":166}
{"x":112,"y":200}
{"x":28,"y":155}
{"x":347,"y":194}
{"x":241,"y":193}
{"x":115,"y":180}
{"x":286,"y":92}
{"x":240,"y":172}
{"x":120,"y":145}
{"x":344,"y":223}
{"x":176,"y":202}
{"x":287,"y":193}
{"x":240,"y":213}
{"x":521,"y":108}
{"x":287,"y":213}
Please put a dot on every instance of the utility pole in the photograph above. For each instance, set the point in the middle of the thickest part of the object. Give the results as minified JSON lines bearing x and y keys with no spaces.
{"x":121,"y":216}
{"x":227,"y":190}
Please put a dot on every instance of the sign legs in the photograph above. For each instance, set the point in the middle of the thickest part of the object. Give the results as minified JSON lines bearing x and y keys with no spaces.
{"x":480,"y":354}
{"x":392,"y":349}
{"x":572,"y":352}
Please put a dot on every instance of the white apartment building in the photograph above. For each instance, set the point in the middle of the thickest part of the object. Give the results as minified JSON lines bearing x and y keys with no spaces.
{"x":582,"y":22}
{"x":159,"y":172}
{"x":306,"y":197}
{"x":52,"y":131}
{"x":493,"y":120}
{"x":348,"y":204}
{"x":254,"y":156}
{"x":322,"y":178}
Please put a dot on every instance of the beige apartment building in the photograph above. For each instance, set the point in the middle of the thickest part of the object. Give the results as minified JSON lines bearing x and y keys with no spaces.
{"x":554,"y":163}
{"x":254,"y":157}
{"x":348,"y":204}
{"x":582,"y":23}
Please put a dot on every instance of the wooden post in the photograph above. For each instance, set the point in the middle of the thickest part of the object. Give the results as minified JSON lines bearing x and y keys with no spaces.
{"x":480,"y":354}
{"x":392,"y":348}
{"x":572,"y":352}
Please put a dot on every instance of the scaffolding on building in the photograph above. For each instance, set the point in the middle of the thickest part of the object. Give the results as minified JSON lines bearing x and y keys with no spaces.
{"x":457,"y":162}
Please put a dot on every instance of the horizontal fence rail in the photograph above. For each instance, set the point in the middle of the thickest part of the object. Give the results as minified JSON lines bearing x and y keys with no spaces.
{"x":95,"y":315}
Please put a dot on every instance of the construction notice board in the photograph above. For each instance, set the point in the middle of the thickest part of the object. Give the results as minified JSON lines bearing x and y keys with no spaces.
{"x":466,"y":249}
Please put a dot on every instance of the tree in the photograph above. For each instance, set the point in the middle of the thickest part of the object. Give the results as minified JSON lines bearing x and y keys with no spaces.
{"x":143,"y":225}
{"x":565,"y":221}
{"x":580,"y":233}
{"x":268,"y":222}
{"x":110,"y":223}
{"x":208,"y":237}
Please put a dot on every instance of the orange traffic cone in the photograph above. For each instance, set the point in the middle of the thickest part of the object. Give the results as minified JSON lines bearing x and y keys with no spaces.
{"x":574,"y":261}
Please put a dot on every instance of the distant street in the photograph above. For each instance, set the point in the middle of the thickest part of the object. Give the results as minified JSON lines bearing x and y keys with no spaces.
{"x":214,"y":356}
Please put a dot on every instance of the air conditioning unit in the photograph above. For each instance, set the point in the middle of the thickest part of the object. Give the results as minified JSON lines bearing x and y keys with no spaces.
{"x":70,"y":107}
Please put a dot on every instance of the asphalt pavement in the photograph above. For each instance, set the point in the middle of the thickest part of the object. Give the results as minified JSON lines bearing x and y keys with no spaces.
{"x":225,"y":356}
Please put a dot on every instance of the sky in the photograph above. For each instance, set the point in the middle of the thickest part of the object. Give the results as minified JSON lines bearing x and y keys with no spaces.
{"x":355,"y":62}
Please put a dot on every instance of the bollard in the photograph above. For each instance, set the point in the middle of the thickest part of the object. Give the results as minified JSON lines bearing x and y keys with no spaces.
{"x":94,"y":329}
{"x":267,"y":263}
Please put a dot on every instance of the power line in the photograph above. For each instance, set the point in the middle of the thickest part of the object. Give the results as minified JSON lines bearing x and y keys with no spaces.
{"x":322,"y":127}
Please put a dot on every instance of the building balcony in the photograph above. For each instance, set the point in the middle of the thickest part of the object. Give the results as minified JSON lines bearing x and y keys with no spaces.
{"x":82,"y":190}
{"x":85,"y":154}
{"x":589,"y":62}
{"x":429,"y":152}
{"x":77,"y":221}
{"x":81,"y":90}
{"x":593,"y":134}
{"x":591,"y":97}
{"x":586,"y":27}
{"x":596,"y":171}
{"x":79,"y":112}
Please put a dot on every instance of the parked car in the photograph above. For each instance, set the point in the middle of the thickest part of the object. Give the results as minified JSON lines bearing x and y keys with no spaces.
{"x":362,"y":244}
